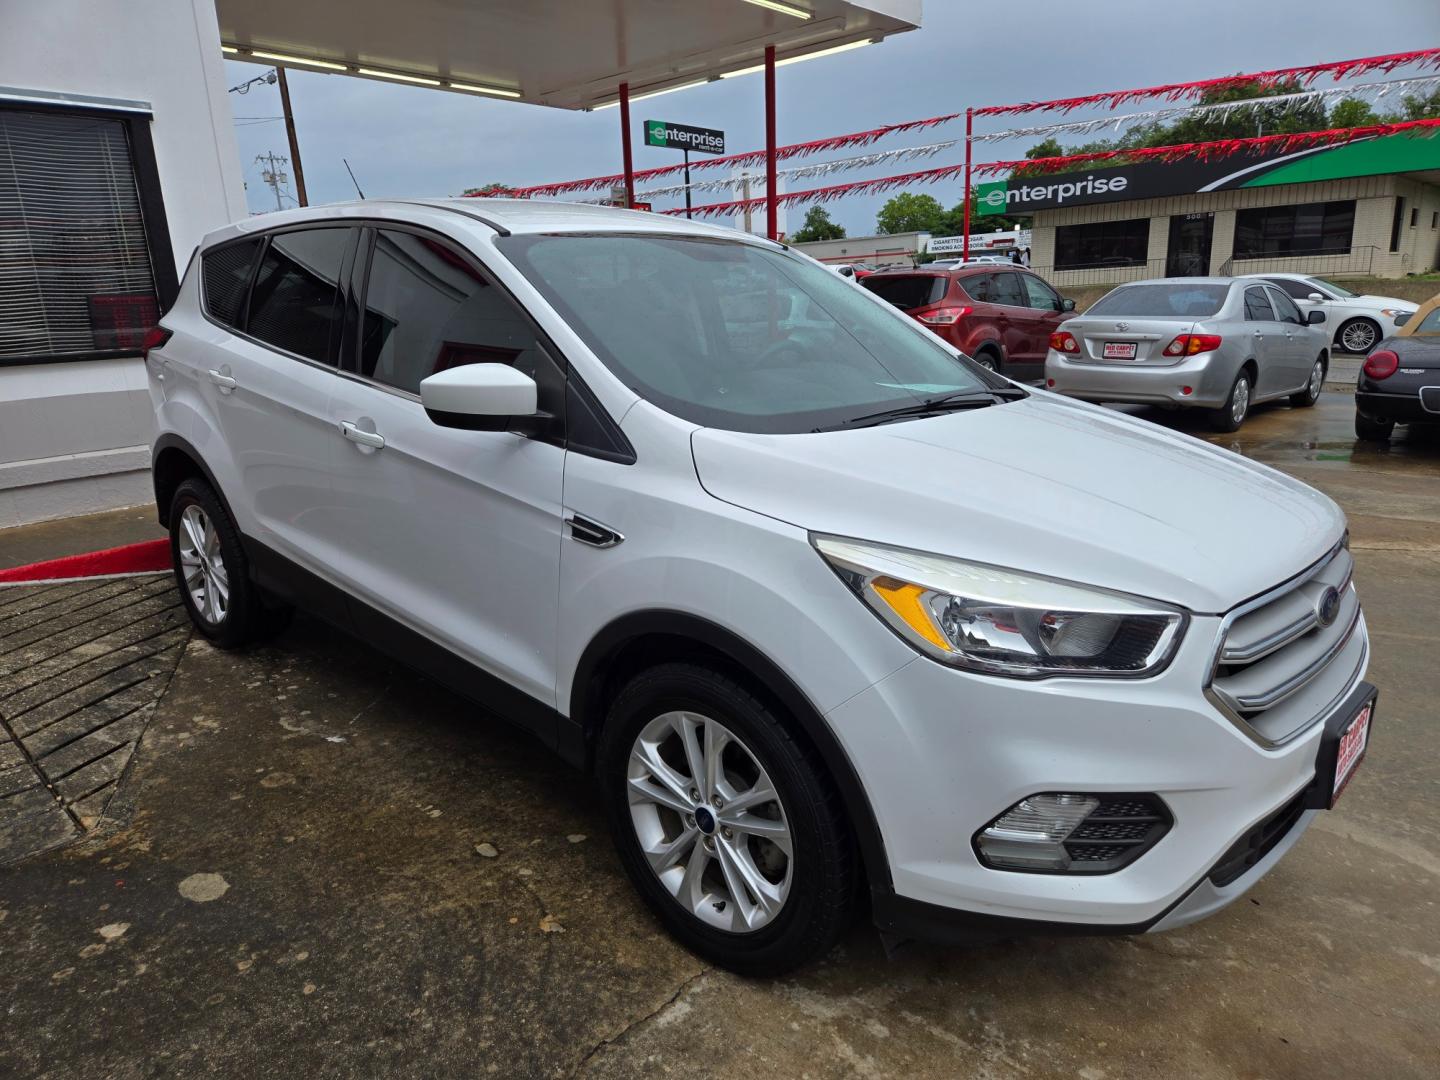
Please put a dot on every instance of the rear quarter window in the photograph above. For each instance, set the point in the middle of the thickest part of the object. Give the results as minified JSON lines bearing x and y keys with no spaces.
{"x":224,"y":277}
{"x":908,"y":291}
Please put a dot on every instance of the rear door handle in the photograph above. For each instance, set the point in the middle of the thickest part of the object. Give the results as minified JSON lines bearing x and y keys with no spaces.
{"x":223,"y":381}
{"x":364,"y":438}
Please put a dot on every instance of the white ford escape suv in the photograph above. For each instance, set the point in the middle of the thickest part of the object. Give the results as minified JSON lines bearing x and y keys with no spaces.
{"x":822,"y":604}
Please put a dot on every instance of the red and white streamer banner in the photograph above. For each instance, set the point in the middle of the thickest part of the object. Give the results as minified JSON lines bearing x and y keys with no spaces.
{"x":1213,"y":149}
{"x":1339,"y":69}
{"x":1202,"y":150}
{"x":1281,"y":104}
{"x":750,"y":159}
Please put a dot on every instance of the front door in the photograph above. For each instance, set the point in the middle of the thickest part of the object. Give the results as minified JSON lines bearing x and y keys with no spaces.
{"x":1189,"y":252}
{"x":455,"y":534}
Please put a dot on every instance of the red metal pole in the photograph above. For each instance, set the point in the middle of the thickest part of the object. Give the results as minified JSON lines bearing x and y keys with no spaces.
{"x":625,"y":144}
{"x":969,"y":123}
{"x":771,"y":214}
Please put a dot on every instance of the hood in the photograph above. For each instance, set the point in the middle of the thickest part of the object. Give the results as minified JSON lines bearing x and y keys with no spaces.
{"x":1383,"y":302}
{"x":1047,"y":485}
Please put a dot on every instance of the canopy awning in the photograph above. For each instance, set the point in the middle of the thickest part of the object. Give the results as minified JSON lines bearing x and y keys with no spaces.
{"x":570,"y":54}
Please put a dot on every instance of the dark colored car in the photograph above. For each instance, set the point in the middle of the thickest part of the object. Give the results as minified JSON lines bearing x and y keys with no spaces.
{"x":1400,"y":382}
{"x":1000,"y":316}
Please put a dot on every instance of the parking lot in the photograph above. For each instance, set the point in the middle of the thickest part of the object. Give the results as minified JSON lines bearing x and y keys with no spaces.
{"x":302,"y":858}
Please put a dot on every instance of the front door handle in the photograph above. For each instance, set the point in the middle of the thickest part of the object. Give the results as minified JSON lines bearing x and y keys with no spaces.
{"x":223,"y":380}
{"x":364,"y":438}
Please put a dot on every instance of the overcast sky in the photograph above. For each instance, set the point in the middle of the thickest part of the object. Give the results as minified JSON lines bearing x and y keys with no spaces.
{"x":404,"y":140}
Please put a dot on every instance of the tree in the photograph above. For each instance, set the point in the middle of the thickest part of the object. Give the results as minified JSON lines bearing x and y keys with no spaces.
{"x":495,"y":188}
{"x":818,"y":226}
{"x":1352,"y":112}
{"x":908,"y":212}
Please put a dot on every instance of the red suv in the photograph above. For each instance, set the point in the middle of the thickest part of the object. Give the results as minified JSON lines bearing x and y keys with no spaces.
{"x":1000,"y":316}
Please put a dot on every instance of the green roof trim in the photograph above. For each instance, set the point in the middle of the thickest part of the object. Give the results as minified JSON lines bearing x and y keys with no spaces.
{"x":1371,"y":157}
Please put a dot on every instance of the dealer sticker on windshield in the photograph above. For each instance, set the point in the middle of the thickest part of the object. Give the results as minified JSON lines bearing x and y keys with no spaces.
{"x":1119,"y":350}
{"x":1351,"y":750}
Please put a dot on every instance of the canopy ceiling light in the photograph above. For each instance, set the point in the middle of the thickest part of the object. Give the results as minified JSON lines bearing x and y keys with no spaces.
{"x":495,"y":91}
{"x":418,"y":80}
{"x":784,"y":9}
{"x":653,"y":93}
{"x":285,"y":58}
{"x":804,"y":56}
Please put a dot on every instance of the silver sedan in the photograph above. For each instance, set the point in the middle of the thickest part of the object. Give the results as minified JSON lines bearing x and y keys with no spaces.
{"x":1221,"y":344}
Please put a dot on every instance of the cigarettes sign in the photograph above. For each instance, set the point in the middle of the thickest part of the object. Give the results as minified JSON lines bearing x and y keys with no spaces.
{"x":683,"y":137}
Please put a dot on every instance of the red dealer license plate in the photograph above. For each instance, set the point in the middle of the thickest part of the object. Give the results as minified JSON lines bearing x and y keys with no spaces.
{"x":1353,"y":741}
{"x":1119,"y":350}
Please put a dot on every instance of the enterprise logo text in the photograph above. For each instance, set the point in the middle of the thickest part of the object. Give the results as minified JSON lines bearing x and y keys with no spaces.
{"x":1021,"y":192}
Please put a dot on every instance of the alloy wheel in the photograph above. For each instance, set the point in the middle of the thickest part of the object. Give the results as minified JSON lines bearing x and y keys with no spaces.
{"x":1317,"y":378}
{"x":1358,"y":337}
{"x":710,"y":822}
{"x":1240,"y":400}
{"x":206,"y":579}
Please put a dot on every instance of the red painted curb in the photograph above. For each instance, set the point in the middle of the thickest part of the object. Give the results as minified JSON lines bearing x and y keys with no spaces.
{"x":147,"y":556}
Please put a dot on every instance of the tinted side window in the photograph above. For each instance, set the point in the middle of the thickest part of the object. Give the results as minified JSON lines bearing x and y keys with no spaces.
{"x":1039,"y":294}
{"x":294,"y":303}
{"x":1257,"y":308}
{"x":1298,"y":289}
{"x":1008,"y":291}
{"x":1285,"y":309}
{"x":427,"y":308}
{"x":224,"y":277}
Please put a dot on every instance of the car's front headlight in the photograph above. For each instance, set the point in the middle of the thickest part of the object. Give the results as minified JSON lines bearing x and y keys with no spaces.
{"x":1390,"y":313}
{"x":1004,"y":622}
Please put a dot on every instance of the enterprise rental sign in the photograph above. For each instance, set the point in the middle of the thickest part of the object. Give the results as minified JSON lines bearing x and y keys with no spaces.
{"x":1363,"y":157}
{"x":684,"y":137}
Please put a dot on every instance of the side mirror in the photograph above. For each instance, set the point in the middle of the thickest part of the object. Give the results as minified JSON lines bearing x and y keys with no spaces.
{"x":1316,"y":298}
{"x":1314,"y":318}
{"x":1403,"y":318}
{"x":478,"y":397}
{"x":1067,"y":304}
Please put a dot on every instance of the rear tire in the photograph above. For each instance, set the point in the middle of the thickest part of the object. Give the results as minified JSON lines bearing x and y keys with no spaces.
{"x":663,"y":826}
{"x":1373,"y":430}
{"x":988,"y":360}
{"x":1311,"y":394}
{"x":1232,"y":414}
{"x":213,"y":574}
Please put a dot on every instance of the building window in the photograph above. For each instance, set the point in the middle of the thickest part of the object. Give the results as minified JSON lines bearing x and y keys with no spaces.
{"x":1307,"y":229}
{"x":1414,"y":216}
{"x":81,"y":223}
{"x":1102,"y":244}
{"x":1395,"y":223}
{"x":1435,"y":219}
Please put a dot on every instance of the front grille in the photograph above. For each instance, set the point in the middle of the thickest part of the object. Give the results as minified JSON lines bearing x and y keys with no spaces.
{"x":1257,"y":843}
{"x":1286,"y":659}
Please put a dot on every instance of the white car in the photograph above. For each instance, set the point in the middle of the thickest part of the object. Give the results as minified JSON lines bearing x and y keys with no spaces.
{"x":1356,"y":321}
{"x":816,"y":613}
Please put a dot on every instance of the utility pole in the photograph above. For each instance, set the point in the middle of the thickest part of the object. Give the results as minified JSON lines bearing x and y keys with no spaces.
{"x":272,"y":175}
{"x":294,"y":142}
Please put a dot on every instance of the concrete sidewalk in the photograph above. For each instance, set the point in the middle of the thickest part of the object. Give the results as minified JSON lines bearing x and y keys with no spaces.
{"x":77,"y":535}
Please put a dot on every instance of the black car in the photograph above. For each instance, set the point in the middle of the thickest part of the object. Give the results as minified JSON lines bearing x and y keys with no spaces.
{"x":1400,"y":382}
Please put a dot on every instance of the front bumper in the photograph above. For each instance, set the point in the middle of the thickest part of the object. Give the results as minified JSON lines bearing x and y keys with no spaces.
{"x":1209,"y":381}
{"x":941,"y":752}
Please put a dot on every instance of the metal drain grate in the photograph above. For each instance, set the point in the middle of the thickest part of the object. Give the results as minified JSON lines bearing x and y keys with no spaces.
{"x":81,"y":666}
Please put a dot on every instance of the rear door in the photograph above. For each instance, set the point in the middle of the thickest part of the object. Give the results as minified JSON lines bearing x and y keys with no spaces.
{"x":1302,"y":344}
{"x":1016,"y":319}
{"x":454,"y":534}
{"x":1268,"y":344}
{"x":270,"y":383}
{"x":1043,"y":315}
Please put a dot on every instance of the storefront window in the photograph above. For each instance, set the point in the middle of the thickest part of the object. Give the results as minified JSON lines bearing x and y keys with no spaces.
{"x":1308,"y":229}
{"x":76,"y":277}
{"x":1102,"y":244}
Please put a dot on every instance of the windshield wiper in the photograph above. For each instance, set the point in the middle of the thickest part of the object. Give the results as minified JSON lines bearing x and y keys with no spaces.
{"x":934,"y":406}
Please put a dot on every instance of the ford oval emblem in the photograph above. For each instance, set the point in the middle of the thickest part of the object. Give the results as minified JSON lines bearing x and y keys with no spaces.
{"x":1122,"y":326}
{"x":1329,"y":606}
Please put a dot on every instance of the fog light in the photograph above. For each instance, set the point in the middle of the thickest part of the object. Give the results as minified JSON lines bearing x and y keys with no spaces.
{"x":1073,"y":833}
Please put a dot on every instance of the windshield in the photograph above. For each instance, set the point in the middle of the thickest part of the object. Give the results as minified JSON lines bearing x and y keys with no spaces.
{"x":735,"y":335}
{"x":908,"y":291}
{"x":1339,"y":290}
{"x":1190,"y":300}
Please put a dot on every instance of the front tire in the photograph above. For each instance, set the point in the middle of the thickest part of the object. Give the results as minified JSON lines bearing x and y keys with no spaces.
{"x":1373,"y":430}
{"x":1311,"y":394}
{"x":728,"y":825}
{"x":1231,"y":415}
{"x":212,"y":572}
{"x":1358,"y":336}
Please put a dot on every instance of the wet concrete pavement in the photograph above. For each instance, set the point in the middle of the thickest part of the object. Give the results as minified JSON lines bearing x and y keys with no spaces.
{"x":288,"y":881}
